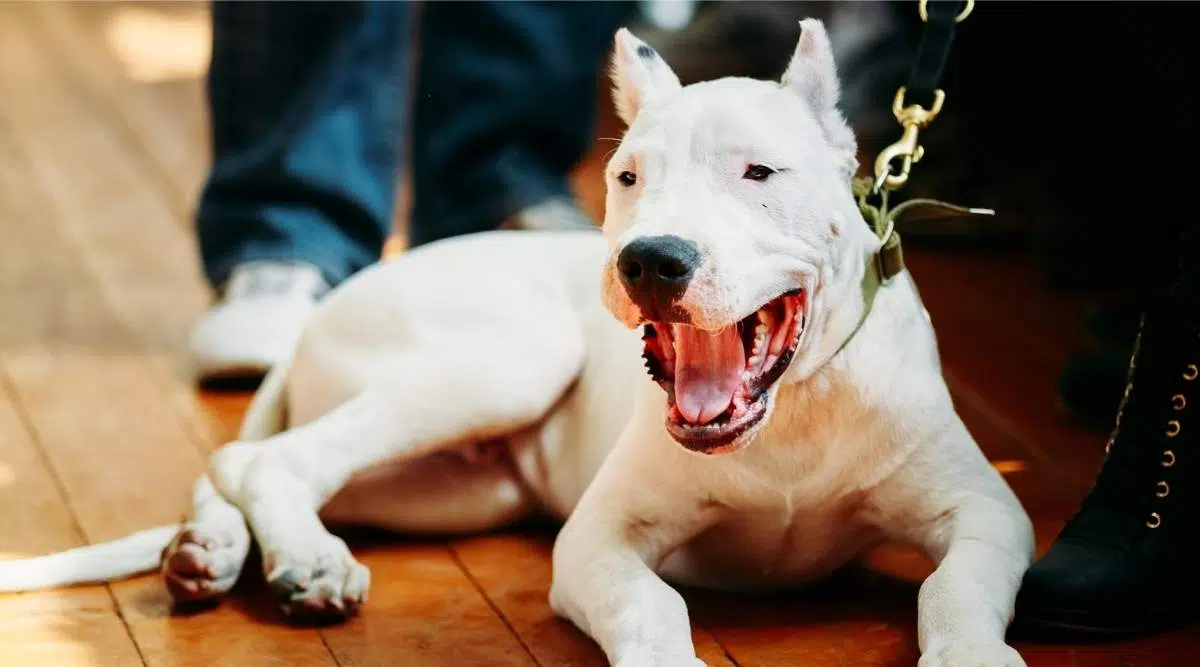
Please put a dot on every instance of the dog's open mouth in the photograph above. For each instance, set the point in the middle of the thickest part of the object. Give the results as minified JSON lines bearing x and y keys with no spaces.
{"x":717,"y":382}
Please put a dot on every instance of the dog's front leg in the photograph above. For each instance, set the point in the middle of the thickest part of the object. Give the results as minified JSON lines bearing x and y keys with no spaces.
{"x":953,"y":506}
{"x":965,"y":606}
{"x":629,"y":520}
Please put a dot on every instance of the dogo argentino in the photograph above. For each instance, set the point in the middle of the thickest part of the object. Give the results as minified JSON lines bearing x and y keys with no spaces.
{"x":793,"y":413}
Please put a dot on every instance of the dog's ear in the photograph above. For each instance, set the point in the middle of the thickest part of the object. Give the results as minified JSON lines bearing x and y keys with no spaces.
{"x":639,"y":75}
{"x":812,"y":75}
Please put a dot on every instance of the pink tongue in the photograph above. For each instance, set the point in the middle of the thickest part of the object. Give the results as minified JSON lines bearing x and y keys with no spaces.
{"x":708,"y":370}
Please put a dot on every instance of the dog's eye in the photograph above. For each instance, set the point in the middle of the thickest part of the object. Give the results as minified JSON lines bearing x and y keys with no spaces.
{"x":627,"y":178}
{"x":758,"y":172}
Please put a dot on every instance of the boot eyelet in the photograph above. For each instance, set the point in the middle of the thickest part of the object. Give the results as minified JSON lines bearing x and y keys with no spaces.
{"x":1154,"y":521}
{"x":1191,"y":373}
{"x":1168,"y":459}
{"x":1163,"y":490}
{"x":1172,"y":428}
{"x":1178,"y":401}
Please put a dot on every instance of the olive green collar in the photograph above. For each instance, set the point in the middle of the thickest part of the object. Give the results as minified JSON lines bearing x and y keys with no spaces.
{"x":887,"y":262}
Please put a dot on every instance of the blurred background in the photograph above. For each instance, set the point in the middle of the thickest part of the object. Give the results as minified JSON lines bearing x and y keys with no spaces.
{"x":1074,"y":121}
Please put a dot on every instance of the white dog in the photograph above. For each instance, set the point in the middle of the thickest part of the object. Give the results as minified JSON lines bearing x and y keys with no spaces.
{"x":476,"y":381}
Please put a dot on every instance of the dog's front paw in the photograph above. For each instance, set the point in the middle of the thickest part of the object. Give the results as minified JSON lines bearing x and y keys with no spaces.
{"x":321,"y":583}
{"x":971,"y":654}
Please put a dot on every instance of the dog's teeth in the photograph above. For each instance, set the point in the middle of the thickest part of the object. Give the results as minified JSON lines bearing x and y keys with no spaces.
{"x":760,"y":335}
{"x":762,"y":332}
{"x":653,"y":367}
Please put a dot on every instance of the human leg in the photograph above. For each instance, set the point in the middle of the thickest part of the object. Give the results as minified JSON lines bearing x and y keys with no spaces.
{"x":507,"y":97}
{"x":307,"y":111}
{"x":1123,"y":565}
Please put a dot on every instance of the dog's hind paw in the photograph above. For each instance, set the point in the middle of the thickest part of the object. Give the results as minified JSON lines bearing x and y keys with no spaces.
{"x":203,"y":562}
{"x":322,"y":584}
{"x":971,"y":654}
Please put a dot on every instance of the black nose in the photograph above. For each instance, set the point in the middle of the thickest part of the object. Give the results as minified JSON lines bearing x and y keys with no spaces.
{"x":656,"y":270}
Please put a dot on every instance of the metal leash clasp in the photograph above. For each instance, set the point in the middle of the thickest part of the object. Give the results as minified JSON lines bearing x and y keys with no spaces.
{"x":913,"y":118}
{"x":908,"y":150}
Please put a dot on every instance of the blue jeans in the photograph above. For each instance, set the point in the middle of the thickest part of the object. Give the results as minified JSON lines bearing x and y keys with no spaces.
{"x":308,"y":106}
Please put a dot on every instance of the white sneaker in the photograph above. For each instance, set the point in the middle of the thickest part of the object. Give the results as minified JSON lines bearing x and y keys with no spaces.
{"x":257,"y":321}
{"x":554,"y":214}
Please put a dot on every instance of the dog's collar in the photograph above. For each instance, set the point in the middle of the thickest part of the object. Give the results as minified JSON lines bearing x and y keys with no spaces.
{"x":888,"y":261}
{"x":883,"y":264}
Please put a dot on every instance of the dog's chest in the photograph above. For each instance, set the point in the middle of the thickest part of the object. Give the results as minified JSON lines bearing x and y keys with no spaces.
{"x":782,"y":544}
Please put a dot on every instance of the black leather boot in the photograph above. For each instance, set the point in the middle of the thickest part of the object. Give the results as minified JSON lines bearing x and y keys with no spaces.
{"x":1091,"y":386}
{"x":1125,"y":564}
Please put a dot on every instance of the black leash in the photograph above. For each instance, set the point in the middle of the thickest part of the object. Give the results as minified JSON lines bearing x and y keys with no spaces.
{"x":915,"y":107}
{"x":919,"y":102}
{"x":937,"y":39}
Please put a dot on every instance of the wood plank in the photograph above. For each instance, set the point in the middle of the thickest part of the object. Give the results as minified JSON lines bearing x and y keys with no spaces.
{"x":88,"y":400}
{"x":513,"y":570}
{"x":48,"y":322}
{"x":86,"y":381}
{"x":142,"y":65}
{"x":36,"y":518}
{"x":423,"y":611}
{"x":70,"y":639}
{"x":155,"y":280}
{"x":56,"y":628}
{"x":81,"y":357}
{"x":1010,"y":286}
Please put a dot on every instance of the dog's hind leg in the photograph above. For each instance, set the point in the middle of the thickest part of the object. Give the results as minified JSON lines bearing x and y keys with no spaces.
{"x":470,"y":389}
{"x":203,"y":561}
{"x":206,"y":556}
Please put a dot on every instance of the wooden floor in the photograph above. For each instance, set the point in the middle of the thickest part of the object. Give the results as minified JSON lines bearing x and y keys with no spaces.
{"x":102,"y":148}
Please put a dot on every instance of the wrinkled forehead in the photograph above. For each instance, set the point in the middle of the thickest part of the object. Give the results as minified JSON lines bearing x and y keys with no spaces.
{"x":720,"y":117}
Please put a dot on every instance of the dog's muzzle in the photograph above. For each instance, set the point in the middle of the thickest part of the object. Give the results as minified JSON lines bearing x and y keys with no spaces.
{"x":656,"y":271}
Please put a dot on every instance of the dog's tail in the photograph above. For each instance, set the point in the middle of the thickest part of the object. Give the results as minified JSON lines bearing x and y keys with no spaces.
{"x":138,"y":553}
{"x":142,"y":551}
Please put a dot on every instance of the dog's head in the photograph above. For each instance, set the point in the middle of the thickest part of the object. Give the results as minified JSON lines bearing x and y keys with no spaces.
{"x":732,"y":226}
